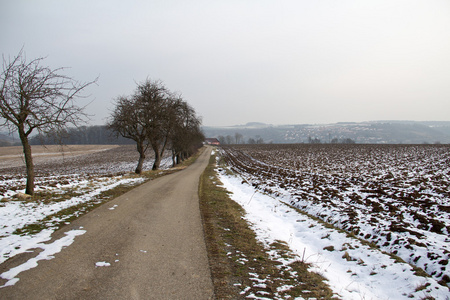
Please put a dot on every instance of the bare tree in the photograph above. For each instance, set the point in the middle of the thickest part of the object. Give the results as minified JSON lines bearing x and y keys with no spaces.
{"x":129,"y":119}
{"x":238,"y":137}
{"x":154,"y":117}
{"x":154,"y":98}
{"x":36,"y":97}
{"x":221,"y":139}
{"x":142,"y":117}
{"x":186,"y":133}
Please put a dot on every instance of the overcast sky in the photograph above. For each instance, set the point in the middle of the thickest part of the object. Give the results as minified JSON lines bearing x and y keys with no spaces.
{"x":278,"y":62}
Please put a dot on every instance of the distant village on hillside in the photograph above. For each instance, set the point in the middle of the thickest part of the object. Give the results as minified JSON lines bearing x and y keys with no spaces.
{"x":373,"y":132}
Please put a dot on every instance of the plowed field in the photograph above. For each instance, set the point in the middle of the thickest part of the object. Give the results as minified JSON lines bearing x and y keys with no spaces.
{"x":394,"y":196}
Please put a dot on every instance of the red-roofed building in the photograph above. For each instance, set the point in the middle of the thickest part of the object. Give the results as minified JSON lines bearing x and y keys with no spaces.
{"x":212,"y":141}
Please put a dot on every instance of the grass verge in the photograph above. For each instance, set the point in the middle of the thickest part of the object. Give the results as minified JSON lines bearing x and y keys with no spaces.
{"x":241,"y":267}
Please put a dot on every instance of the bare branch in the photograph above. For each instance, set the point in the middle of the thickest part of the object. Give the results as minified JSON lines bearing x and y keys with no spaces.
{"x":36,"y":97}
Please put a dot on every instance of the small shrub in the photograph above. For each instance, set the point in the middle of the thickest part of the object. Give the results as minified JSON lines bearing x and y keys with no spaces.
{"x":348,"y":257}
{"x":329,"y":248}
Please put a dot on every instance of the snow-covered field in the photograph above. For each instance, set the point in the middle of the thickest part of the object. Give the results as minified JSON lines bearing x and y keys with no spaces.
{"x":395,"y":197}
{"x":84,"y":177}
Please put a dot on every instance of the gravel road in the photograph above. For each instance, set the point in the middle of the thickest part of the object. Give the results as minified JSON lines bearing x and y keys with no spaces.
{"x":152,"y":238}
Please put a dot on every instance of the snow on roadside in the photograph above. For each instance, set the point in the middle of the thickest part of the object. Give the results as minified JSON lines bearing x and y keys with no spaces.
{"x":16,"y":214}
{"x":83,"y":176}
{"x":353,"y":270}
{"x":86,"y":178}
{"x":391,"y":195}
{"x":102,"y":264}
{"x":49,"y":250}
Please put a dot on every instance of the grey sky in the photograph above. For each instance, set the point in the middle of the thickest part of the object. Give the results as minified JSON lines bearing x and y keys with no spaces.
{"x":279,"y":62}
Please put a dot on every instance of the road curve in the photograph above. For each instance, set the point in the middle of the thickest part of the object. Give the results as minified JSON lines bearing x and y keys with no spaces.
{"x":152,"y":239}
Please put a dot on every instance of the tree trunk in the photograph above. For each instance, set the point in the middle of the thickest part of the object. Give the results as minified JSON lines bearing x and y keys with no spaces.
{"x":157,"y":158}
{"x":174,"y":162}
{"x":141,"y":150}
{"x":161,"y":154}
{"x":28,"y":161}
{"x":140,"y":164}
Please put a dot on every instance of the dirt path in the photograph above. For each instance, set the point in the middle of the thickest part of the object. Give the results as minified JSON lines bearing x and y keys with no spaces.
{"x":152,"y":238}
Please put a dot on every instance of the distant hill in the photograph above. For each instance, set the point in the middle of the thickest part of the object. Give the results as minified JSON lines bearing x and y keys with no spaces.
{"x":376,"y":132}
{"x":8,"y":140}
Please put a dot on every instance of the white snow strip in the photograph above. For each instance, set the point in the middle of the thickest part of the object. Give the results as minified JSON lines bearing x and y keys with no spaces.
{"x":49,"y":250}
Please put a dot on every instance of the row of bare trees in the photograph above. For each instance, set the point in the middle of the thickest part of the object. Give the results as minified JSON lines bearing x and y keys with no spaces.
{"x":239,"y":139}
{"x":157,"y":118}
{"x":38,"y":99}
